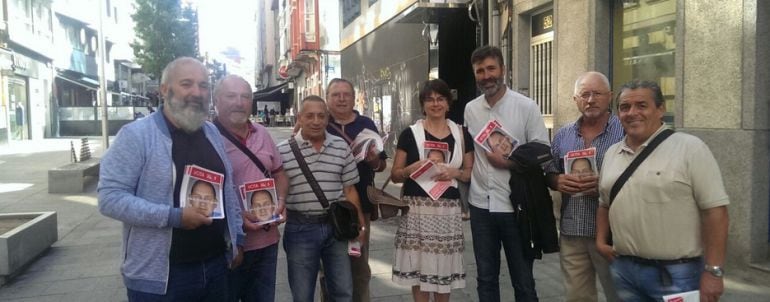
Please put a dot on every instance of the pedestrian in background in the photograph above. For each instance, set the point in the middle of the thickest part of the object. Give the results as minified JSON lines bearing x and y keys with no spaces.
{"x":669,"y":220}
{"x":255,"y":279}
{"x":429,"y":239}
{"x":347,"y":124}
{"x":595,"y":128}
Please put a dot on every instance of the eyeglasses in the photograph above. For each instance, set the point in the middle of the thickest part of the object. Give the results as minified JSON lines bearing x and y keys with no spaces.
{"x":588,"y":94}
{"x":435,"y":100}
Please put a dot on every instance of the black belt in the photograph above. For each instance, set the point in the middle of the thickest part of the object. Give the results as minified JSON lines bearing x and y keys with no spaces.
{"x":297,"y":217}
{"x":665,"y":276}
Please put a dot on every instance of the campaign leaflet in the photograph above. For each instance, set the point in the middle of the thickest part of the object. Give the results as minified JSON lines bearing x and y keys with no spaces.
{"x":691,"y":296}
{"x":438,"y":152}
{"x":581,"y":163}
{"x":364,"y":141}
{"x":494,"y":138}
{"x":202,"y":190}
{"x":423,"y":176}
{"x":259,"y":201}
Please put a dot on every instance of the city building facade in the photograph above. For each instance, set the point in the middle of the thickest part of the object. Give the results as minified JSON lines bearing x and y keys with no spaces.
{"x":711,"y":58}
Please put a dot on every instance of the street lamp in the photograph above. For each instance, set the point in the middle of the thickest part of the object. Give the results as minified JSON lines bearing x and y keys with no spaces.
{"x":102,"y":78}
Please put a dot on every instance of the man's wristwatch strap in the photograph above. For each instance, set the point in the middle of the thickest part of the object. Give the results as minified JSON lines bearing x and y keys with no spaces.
{"x":714,"y":270}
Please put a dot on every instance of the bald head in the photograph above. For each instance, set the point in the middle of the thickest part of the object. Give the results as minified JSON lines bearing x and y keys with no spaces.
{"x":231,"y":80}
{"x":170,"y":72}
{"x":185,"y":90}
{"x":233,"y":101}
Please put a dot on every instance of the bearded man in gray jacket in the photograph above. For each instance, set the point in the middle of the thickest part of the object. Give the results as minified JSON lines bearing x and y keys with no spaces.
{"x":170,"y":252}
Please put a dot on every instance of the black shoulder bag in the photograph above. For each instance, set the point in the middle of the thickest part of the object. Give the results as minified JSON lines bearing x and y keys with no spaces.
{"x":343,"y":215}
{"x":243,"y":149}
{"x":635,"y":164}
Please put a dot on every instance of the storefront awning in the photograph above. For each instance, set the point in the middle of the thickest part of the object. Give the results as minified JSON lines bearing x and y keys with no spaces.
{"x":278,"y":93}
{"x":82,"y":81}
{"x":270,"y":94}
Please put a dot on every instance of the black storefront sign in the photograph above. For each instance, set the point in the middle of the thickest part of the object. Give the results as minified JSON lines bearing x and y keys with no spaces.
{"x":542,"y":23}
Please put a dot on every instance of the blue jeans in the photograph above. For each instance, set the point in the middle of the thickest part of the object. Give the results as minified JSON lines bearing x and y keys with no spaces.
{"x":638,"y":282}
{"x":489,"y":231}
{"x":254,"y":279}
{"x":195,"y":281}
{"x":305,"y":245}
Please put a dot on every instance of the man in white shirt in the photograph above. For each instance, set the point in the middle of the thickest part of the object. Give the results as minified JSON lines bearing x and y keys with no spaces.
{"x":493,"y":215}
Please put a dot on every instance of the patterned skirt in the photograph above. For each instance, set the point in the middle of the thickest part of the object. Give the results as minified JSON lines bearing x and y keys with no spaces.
{"x":429,"y":245}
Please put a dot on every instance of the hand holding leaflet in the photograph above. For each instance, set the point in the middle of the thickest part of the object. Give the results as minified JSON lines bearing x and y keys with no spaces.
{"x":424,"y":176}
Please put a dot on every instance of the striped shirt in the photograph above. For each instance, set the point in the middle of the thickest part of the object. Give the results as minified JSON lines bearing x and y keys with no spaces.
{"x":578,"y":214}
{"x":333,"y":167}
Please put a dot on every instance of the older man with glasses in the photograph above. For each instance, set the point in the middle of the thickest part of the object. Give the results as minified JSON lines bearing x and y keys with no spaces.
{"x":595,"y":128}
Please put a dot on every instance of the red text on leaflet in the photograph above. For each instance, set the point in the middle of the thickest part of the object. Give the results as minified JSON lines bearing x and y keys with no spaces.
{"x":677,"y":299}
{"x":267,"y":183}
{"x":581,"y":153}
{"x":439,"y":188}
{"x":436,"y":145}
{"x":421,"y":170}
{"x":198,"y":173}
{"x":485,"y":133}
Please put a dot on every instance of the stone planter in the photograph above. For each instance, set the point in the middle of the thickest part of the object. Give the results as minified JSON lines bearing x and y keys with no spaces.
{"x":27,"y":236}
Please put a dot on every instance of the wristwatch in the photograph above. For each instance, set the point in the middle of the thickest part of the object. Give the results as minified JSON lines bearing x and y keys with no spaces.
{"x":715,"y":270}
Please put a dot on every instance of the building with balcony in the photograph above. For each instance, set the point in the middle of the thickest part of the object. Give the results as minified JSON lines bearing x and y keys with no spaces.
{"x":77,"y":76}
{"x":26,"y":55}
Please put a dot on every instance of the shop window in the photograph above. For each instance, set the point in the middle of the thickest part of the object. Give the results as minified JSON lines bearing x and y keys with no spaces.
{"x":644,"y":46}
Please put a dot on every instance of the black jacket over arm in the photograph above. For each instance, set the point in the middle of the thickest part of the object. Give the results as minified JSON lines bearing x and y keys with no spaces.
{"x":530,"y":195}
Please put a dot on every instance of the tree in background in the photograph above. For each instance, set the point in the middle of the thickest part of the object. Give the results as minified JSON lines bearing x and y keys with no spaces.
{"x":165,"y":30}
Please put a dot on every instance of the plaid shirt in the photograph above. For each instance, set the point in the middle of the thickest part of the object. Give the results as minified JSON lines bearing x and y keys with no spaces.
{"x":578,"y":214}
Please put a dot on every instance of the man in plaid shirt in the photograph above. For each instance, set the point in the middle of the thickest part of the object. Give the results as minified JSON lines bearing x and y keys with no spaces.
{"x":596,"y":127}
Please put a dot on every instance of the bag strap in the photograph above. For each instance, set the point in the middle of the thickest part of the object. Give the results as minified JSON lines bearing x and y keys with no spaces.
{"x":344,"y":135}
{"x":638,"y":161}
{"x":308,"y":175}
{"x":243,"y":148}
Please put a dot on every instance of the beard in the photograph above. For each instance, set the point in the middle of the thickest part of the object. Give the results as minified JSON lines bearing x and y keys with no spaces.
{"x":490,"y":91}
{"x":188,"y":113}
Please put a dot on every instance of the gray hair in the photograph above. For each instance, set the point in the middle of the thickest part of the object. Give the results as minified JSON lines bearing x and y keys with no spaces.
{"x":312,"y":98}
{"x":582,"y":77}
{"x":164,"y":79}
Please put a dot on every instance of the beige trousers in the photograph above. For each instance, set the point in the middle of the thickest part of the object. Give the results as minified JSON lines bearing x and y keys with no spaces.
{"x":580,"y":264}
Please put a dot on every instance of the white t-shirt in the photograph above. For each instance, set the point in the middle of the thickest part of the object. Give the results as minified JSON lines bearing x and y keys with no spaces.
{"x":520,"y":116}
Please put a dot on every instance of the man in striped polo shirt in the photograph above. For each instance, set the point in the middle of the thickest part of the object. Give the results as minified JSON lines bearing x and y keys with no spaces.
{"x":308,"y":237}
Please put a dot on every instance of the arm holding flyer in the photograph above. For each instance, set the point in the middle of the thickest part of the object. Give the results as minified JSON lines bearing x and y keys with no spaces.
{"x":425,"y":176}
{"x":366,"y":143}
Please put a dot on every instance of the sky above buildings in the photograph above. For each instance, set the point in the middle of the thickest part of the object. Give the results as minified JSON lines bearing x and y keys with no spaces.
{"x":228,"y":33}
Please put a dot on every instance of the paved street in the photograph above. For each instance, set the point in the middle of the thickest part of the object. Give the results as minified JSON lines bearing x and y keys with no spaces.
{"x":84,"y":264}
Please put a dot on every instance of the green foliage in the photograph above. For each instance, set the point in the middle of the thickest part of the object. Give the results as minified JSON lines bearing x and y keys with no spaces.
{"x":164,"y":31}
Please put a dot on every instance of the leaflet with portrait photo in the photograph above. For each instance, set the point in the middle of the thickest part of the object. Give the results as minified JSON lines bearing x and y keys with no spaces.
{"x":493,"y":138}
{"x":581,"y":163}
{"x":436,"y":151}
{"x":260,"y":201}
{"x":424,"y":175}
{"x":365,"y":140}
{"x":202,"y":190}
{"x":691,"y":296}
